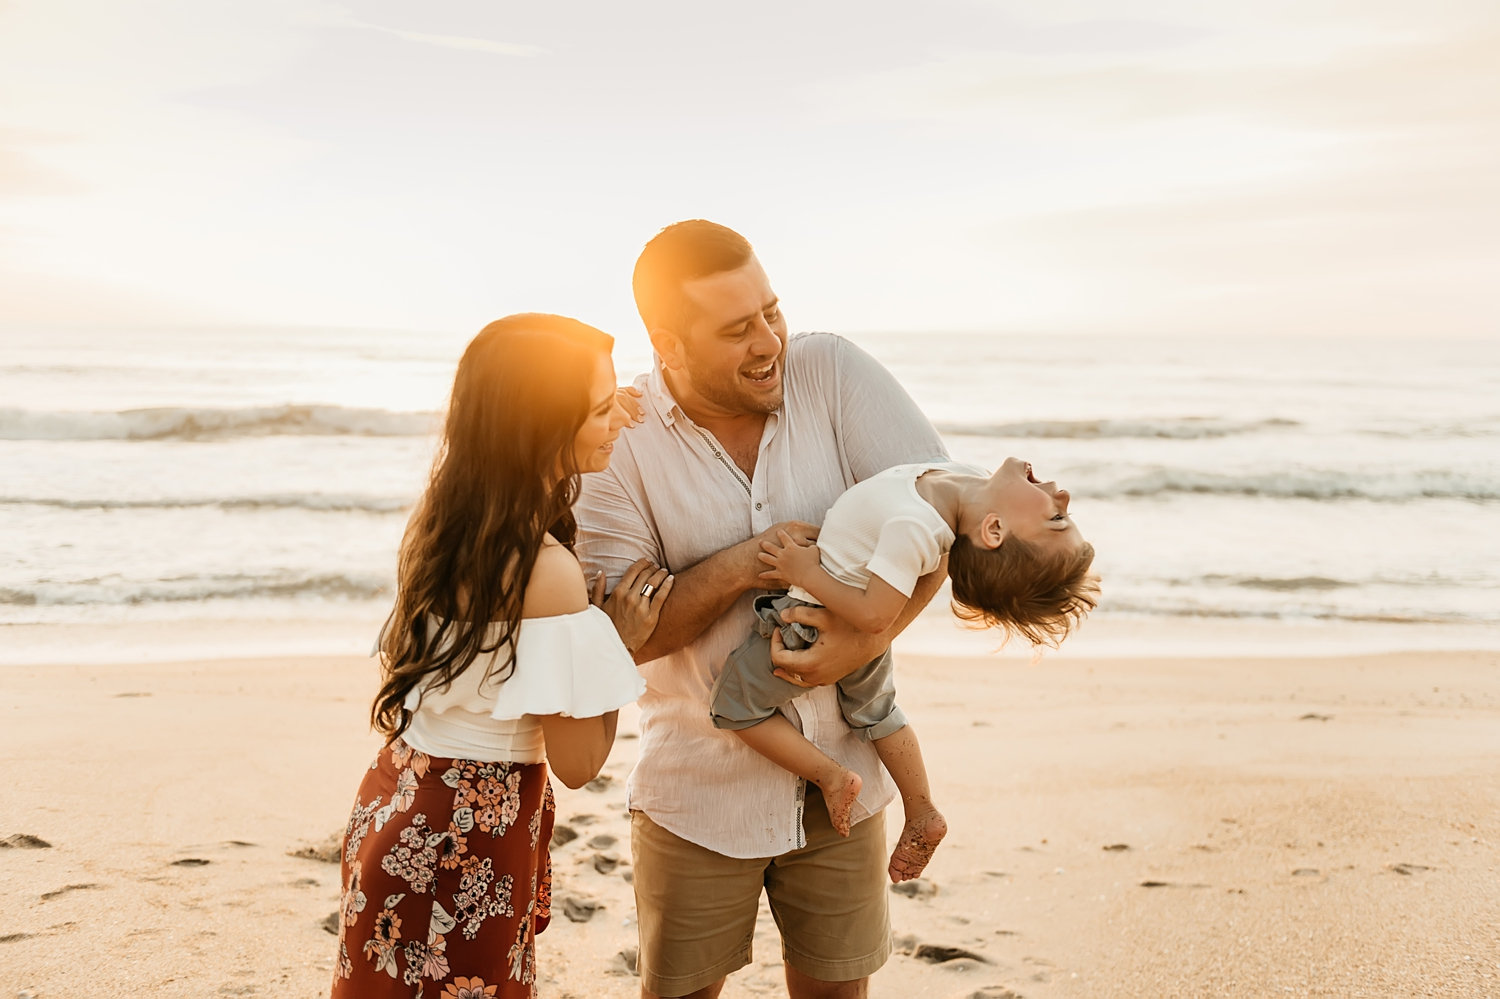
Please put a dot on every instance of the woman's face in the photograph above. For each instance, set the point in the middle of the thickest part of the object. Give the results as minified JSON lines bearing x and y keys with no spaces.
{"x":596,"y":438}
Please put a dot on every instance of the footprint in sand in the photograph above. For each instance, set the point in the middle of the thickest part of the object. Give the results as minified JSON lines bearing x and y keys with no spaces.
{"x":85,"y":886}
{"x":943,"y":953}
{"x":916,"y":888}
{"x":579,"y":909}
{"x":327,"y":852}
{"x":24,"y":841}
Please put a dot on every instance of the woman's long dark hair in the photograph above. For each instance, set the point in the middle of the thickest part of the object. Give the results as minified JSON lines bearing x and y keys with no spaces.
{"x":504,"y":477}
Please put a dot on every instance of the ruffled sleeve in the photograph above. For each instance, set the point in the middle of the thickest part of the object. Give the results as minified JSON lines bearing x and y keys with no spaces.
{"x":570,"y":664}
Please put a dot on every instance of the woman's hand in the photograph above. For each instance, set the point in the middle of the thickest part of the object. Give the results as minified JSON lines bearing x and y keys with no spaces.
{"x":628,"y":398}
{"x":635,"y":605}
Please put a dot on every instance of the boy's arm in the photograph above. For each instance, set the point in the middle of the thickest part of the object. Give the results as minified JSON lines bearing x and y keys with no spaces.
{"x":871,"y":610}
{"x":841,"y":649}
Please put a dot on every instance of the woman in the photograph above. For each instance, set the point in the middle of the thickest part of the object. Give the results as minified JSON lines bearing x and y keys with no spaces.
{"x":492,"y":660}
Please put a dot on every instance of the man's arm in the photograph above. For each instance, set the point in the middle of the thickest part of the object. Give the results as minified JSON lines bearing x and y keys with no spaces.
{"x":841,"y":648}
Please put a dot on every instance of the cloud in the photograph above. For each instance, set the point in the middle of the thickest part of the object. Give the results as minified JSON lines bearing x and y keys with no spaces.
{"x":512,"y":49}
{"x":21,"y":175}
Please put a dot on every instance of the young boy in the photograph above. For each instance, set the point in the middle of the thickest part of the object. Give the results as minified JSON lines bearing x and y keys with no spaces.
{"x":1015,"y":559}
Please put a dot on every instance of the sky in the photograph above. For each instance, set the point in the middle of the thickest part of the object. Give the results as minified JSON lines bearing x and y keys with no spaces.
{"x":1132,"y":167}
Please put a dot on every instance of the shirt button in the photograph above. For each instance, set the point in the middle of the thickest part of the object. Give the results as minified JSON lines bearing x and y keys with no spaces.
{"x":757,"y":506}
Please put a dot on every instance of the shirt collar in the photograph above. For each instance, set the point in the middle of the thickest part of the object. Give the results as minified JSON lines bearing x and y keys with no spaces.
{"x":660,"y":396}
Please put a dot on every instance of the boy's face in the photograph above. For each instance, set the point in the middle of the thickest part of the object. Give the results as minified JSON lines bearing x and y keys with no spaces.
{"x":1017,"y":505}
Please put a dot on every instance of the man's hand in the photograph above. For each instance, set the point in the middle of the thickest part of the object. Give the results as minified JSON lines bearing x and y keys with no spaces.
{"x":840,"y":649}
{"x":791,"y":562}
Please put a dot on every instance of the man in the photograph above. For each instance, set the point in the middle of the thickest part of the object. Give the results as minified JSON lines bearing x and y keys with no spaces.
{"x":744,"y":433}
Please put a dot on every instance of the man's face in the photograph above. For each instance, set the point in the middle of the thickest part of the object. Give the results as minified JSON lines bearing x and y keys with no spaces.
{"x":734,"y":344}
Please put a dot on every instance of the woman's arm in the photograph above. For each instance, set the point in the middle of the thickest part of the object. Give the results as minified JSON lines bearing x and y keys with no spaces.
{"x":576,"y":747}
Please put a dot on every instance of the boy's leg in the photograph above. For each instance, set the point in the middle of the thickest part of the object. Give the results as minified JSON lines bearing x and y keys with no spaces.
{"x":867,"y":698}
{"x":778,"y":740}
{"x":745,"y":699}
{"x":925,"y":826}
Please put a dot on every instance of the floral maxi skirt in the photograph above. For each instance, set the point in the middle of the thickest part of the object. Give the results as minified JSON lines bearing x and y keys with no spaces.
{"x":446,"y":878}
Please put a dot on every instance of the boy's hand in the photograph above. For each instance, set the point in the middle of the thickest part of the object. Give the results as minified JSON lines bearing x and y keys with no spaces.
{"x":791,"y":561}
{"x":749,"y":550}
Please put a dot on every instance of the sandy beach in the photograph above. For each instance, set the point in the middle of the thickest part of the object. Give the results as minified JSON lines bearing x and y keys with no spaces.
{"x":1120,"y":828}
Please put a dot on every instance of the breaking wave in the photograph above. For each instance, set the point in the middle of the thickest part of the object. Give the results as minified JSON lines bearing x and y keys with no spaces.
{"x":50,"y":593}
{"x":290,"y":501}
{"x":1185,"y":428}
{"x":174,"y":423}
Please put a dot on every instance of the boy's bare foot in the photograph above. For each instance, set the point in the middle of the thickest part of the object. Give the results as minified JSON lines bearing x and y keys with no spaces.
{"x":919,"y":840}
{"x":839,"y":794}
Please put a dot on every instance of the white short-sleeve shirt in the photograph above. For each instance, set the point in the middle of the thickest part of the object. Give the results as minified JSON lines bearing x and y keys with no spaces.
{"x":883,"y":527}
{"x":565,"y":664}
{"x":668,"y":495}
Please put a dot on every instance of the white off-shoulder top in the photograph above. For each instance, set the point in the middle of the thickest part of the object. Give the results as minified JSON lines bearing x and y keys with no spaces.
{"x":569,"y":664}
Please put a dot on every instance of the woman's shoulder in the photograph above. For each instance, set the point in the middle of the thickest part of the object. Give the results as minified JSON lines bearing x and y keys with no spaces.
{"x":557,"y":586}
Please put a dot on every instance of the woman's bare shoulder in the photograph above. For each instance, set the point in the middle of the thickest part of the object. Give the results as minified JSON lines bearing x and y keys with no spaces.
{"x":557,"y":585}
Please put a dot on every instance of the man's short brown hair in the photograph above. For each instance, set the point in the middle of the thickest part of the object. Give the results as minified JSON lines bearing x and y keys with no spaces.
{"x":1022,"y":588}
{"x":680,"y":253}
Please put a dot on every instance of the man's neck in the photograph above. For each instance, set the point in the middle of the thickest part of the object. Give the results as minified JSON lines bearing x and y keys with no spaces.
{"x":738,"y":432}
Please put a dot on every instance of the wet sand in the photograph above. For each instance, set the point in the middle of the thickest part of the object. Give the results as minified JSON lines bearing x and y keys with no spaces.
{"x":1118,"y":828}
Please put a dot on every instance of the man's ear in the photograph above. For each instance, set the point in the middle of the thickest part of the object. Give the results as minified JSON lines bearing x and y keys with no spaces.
{"x":668,"y":346}
{"x":991,"y":532}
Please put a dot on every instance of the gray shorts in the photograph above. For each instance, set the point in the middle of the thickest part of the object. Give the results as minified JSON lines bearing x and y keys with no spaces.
{"x":747,"y":692}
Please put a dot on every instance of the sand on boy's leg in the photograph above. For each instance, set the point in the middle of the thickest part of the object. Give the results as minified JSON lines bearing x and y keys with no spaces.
{"x":778,"y":740}
{"x":925,"y":826}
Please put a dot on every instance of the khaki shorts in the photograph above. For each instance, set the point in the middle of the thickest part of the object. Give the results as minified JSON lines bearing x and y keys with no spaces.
{"x":697,"y":908}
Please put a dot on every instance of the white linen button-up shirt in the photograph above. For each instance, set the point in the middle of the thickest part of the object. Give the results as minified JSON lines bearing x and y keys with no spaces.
{"x":671,"y":494}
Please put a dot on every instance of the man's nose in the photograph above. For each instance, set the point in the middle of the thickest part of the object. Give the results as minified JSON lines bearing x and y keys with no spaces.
{"x":767,"y":343}
{"x":1062,"y":496}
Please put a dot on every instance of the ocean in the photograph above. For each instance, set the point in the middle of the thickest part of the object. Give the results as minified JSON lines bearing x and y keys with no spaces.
{"x":161,"y":476}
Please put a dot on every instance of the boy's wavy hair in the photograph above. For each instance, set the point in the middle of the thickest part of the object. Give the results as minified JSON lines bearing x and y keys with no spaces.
{"x":1022,"y":589}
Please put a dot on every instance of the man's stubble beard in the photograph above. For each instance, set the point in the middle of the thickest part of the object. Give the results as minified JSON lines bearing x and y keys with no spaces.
{"x":727,"y":394}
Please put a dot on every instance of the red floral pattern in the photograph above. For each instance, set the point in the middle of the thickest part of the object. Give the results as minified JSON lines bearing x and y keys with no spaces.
{"x":435,"y":846}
